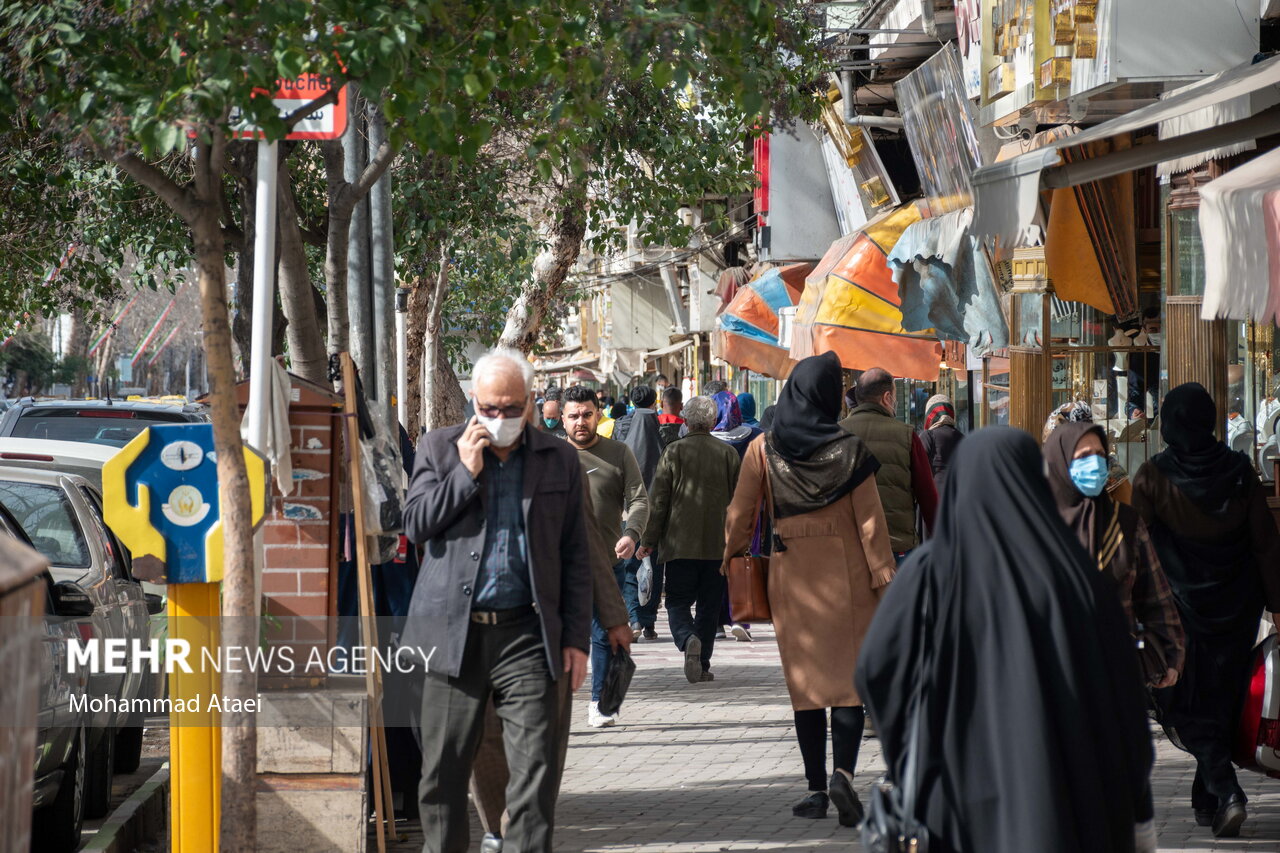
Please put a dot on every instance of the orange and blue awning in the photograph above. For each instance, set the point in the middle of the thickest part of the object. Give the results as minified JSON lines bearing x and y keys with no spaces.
{"x":851,"y":306}
{"x":747,"y":330}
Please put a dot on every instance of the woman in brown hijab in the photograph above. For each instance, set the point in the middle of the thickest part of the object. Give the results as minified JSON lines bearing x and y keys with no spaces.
{"x":1217,"y":541}
{"x":1116,"y":538}
{"x":830,"y":565}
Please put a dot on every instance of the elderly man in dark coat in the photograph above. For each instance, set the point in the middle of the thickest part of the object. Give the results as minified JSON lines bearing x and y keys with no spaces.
{"x":502,"y":603}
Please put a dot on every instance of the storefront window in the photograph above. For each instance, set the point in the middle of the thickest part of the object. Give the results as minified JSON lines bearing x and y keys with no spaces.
{"x":993,"y":401}
{"x":1253,"y":395}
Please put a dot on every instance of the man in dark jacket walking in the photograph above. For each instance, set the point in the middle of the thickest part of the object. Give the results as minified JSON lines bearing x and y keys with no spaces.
{"x":502,"y":603}
{"x":905,"y":479}
{"x":687,"y":508}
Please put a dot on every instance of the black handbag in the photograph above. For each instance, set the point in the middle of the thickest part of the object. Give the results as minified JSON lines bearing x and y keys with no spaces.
{"x":890,"y":824}
{"x":617,"y":678}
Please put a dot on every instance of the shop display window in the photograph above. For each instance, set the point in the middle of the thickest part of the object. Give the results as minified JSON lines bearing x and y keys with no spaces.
{"x":1253,"y":395}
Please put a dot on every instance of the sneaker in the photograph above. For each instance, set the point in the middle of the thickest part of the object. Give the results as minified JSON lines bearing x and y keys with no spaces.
{"x":845,"y":799}
{"x":650,"y":634}
{"x":491,"y":843}
{"x":693,"y":659}
{"x":813,"y":806}
{"x":741,"y":634}
{"x":708,"y":675}
{"x":597,"y":720}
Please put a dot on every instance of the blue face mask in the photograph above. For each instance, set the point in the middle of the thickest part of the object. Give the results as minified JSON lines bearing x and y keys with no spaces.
{"x":1089,"y":474}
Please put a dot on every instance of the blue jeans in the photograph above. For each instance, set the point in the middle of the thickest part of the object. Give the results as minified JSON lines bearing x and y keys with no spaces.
{"x":600,"y":641}
{"x":645,"y":614}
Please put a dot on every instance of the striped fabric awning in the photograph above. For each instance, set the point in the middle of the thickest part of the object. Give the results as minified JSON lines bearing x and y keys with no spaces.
{"x":747,"y":330}
{"x":851,"y":305}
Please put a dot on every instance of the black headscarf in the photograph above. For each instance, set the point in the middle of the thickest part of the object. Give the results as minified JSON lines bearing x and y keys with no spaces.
{"x":813,"y":462}
{"x":1088,"y":517}
{"x":766,"y":419}
{"x":1035,"y":732}
{"x":1203,"y":468}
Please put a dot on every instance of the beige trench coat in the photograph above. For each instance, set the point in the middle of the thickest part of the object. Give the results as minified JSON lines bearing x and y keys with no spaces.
{"x":824,"y":588}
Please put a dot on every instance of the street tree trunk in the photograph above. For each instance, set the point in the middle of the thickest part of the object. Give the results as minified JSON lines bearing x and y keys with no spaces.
{"x":550,"y":271}
{"x":435,"y":398}
{"x":307,"y":356}
{"x":343,"y":196}
{"x":200,"y":206}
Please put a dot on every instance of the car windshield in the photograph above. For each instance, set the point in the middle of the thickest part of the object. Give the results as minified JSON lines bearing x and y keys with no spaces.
{"x":112,"y":427}
{"x":47,"y":516}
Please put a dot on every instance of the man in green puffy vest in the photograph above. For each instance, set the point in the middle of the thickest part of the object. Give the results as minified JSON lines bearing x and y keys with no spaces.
{"x":905,"y":478}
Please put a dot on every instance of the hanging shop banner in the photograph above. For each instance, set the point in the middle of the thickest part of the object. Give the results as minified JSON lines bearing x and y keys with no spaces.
{"x":1240,"y":228}
{"x":851,"y":306}
{"x":939,"y":122}
{"x":747,"y":331}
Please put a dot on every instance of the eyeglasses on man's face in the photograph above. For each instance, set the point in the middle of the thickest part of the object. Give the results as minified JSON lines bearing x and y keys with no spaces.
{"x":503,"y":411}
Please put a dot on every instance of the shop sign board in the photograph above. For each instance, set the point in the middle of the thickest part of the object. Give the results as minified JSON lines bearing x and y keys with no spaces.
{"x":326,"y":122}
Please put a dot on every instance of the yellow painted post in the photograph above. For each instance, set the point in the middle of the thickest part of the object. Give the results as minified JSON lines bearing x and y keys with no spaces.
{"x":195,"y":740}
{"x":160,"y":497}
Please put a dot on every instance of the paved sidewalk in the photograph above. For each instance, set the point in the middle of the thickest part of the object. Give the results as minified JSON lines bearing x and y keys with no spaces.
{"x":714,"y":767}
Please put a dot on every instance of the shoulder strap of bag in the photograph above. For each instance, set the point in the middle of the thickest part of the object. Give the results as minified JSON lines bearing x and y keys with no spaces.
{"x":911,"y":771}
{"x":778,"y":544}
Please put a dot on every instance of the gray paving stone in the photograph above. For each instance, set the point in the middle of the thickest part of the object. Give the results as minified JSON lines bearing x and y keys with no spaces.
{"x":714,"y":767}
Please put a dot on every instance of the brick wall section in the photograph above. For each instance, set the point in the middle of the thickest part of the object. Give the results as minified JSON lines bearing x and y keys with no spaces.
{"x":300,"y":559}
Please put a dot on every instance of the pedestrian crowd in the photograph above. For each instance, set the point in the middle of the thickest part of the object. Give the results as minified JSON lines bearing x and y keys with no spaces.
{"x":1008,"y":615}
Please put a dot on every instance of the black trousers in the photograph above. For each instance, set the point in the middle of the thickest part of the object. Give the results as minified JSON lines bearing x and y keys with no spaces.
{"x":694,"y":590}
{"x":846,"y":737}
{"x":509,"y":663}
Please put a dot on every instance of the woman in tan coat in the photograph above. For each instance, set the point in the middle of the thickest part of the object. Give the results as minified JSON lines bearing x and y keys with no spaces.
{"x":830,"y":564}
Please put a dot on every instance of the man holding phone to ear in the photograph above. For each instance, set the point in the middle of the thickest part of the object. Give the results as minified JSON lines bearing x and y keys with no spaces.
{"x":504,"y":598}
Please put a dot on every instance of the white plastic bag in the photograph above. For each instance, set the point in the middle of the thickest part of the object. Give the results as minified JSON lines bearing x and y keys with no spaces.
{"x":644,"y":580}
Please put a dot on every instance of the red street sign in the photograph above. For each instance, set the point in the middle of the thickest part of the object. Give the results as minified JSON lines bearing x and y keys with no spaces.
{"x":326,"y":122}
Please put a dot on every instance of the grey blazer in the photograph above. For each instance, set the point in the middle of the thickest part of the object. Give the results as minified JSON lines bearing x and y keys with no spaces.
{"x":444,"y":511}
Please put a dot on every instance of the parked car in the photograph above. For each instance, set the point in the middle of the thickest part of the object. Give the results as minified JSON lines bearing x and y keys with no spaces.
{"x":61,"y":751}
{"x":110,"y":422}
{"x":61,"y":515}
{"x":83,"y":459}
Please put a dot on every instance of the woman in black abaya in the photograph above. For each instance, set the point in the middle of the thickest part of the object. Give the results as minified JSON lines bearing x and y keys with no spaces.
{"x":1216,"y":539}
{"x":1034,"y":735}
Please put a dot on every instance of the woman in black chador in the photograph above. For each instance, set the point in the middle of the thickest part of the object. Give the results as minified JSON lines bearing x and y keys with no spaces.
{"x":1217,"y":542}
{"x":1034,"y":735}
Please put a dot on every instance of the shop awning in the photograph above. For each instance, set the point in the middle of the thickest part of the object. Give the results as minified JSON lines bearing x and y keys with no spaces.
{"x":581,"y":360}
{"x":1240,"y":229}
{"x":1007,"y":194}
{"x":668,"y":350}
{"x":851,"y":305}
{"x":747,"y":330}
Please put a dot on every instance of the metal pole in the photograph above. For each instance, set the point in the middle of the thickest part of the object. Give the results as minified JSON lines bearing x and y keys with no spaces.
{"x":264,"y":297}
{"x":402,"y":366}
{"x":361,"y":337}
{"x":382,"y":278}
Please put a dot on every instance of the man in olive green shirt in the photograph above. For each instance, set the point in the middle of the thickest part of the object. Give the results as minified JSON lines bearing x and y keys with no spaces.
{"x":620,"y":502}
{"x":691,"y":493}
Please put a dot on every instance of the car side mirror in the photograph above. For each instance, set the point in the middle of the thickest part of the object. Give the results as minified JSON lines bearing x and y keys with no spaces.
{"x":70,"y":599}
{"x":155,"y":603}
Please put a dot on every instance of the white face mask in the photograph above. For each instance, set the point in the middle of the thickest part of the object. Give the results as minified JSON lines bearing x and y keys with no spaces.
{"x":502,"y":431}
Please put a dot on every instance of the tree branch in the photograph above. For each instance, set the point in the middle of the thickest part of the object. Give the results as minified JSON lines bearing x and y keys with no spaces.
{"x":386,"y":153}
{"x":292,"y":119}
{"x":151,"y":177}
